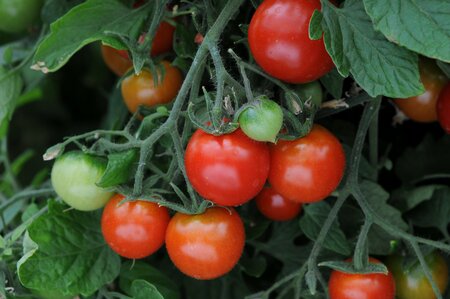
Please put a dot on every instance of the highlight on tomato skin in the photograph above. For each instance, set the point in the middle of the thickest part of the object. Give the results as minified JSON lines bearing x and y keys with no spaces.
{"x":134,"y":229}
{"x":275,"y":207}
{"x":356,"y":286}
{"x":206,"y":246}
{"x":443,"y":108}
{"x":142,"y":89}
{"x":307,"y":169}
{"x":278,"y":37}
{"x":422,"y":108}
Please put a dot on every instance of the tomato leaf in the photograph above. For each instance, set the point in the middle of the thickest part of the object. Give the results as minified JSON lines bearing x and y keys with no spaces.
{"x":409,"y":24}
{"x":71,"y":257}
{"x":315,"y":30}
{"x":348,"y":267}
{"x":253,"y":266}
{"x":377,"y":65}
{"x":10,"y":88}
{"x":313,"y":220}
{"x":408,"y":198}
{"x":90,"y":21}
{"x":184,"y":45}
{"x":445,"y":67}
{"x":333,"y":83}
{"x":433,"y":157}
{"x":119,"y":168}
{"x":434,"y":212}
{"x":140,"y":271}
{"x":142,"y":289}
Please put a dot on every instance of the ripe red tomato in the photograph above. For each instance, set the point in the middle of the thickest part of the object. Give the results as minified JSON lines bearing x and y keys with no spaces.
{"x":443,"y":108}
{"x":118,"y":64}
{"x":422,"y":108}
{"x":141,"y":89}
{"x":134,"y":229}
{"x":361,"y":286}
{"x":229,"y":169}
{"x":207,"y":245}
{"x":275,"y":207}
{"x":412,"y":283}
{"x":307,"y":169}
{"x":279,"y":40}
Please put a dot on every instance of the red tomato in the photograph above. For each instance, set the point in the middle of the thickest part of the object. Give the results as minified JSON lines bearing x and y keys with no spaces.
{"x":279,"y":40}
{"x":443,"y":108}
{"x":422,"y":108}
{"x":307,"y":169}
{"x":275,"y":207}
{"x":115,"y":61}
{"x":229,"y":169}
{"x":361,"y":286}
{"x":134,"y":229}
{"x":207,"y":245}
{"x":141,"y":89}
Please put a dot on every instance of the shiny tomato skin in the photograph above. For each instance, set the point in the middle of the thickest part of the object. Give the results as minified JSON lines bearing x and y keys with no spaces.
{"x":141,"y":89}
{"x":134,"y":229}
{"x":309,"y":168}
{"x":361,"y":286}
{"x":229,"y":169}
{"x":412,"y":283}
{"x":115,"y":61}
{"x":276,"y":207}
{"x":208,"y":245}
{"x":422,"y":108}
{"x":443,"y":108}
{"x":279,"y":41}
{"x":163,"y":40}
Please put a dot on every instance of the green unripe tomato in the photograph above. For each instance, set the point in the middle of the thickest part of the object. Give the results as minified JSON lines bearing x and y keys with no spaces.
{"x":411,"y":283}
{"x":17,"y":15}
{"x":312,"y":91}
{"x":74,"y":177}
{"x":261,"y":120}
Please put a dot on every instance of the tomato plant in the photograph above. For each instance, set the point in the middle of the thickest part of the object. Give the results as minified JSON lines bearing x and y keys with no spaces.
{"x":143,"y":89}
{"x":309,"y":168}
{"x":229,"y":169}
{"x":207,"y":245}
{"x":357,"y":286}
{"x":16,"y":16}
{"x":279,"y":41}
{"x":311,"y":91}
{"x":276,"y":207}
{"x":115,"y":61}
{"x":411,"y":281}
{"x":74,"y":177}
{"x":422,"y":108}
{"x":261,"y":120}
{"x":443,"y":108}
{"x":134,"y":229}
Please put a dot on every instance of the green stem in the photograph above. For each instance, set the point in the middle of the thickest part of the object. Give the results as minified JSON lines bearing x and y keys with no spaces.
{"x":373,"y":143}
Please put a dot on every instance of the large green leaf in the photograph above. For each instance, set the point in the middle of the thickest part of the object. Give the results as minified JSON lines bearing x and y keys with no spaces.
{"x":421,"y":26}
{"x":312,"y":222}
{"x":10,"y":88}
{"x":119,"y":168}
{"x":377,"y":65}
{"x":88,"y":22}
{"x":71,"y":256}
{"x":142,"y":289}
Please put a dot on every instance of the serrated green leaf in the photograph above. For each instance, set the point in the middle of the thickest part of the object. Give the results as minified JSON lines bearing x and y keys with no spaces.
{"x":408,"y":198}
{"x":377,"y":65}
{"x":348,"y":267}
{"x":312,"y":222}
{"x":184,"y":45}
{"x":72,"y":256}
{"x":142,"y":289}
{"x":133,"y":271}
{"x":421,"y":26}
{"x":315,"y":29}
{"x":119,"y":168}
{"x":90,"y":21}
{"x":10,"y":87}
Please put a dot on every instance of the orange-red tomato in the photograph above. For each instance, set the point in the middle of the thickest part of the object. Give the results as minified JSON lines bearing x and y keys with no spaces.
{"x":141,"y":89}
{"x":309,"y":168}
{"x":422,"y":108}
{"x":275,"y":207}
{"x":361,"y":286}
{"x":443,"y":108}
{"x":134,"y":229}
{"x":207,"y":245}
{"x":118,"y":64}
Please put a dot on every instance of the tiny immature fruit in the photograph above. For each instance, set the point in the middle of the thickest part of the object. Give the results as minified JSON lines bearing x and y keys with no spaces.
{"x":74,"y":177}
